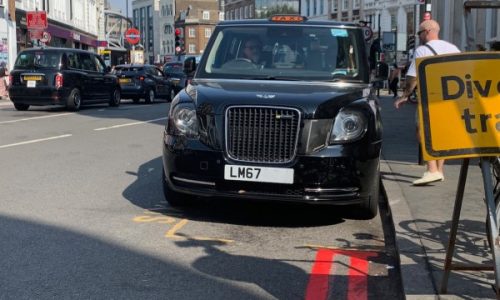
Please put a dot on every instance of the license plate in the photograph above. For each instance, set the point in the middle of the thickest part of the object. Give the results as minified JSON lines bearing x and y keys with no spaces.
{"x":31,"y":83}
{"x":32,"y":78}
{"x":124,"y":80}
{"x":258,"y":174}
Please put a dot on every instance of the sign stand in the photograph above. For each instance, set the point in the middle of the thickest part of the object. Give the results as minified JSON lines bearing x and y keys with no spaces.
{"x":493,"y":227}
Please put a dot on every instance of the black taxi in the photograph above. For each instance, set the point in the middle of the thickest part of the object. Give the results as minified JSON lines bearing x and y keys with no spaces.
{"x":62,"y":77}
{"x":279,"y":109}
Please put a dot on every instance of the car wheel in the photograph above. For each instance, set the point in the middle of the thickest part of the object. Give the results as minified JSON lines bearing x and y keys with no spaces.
{"x":136,"y":100}
{"x":21,"y":107}
{"x":172,"y":94}
{"x":174,"y":198}
{"x":150,"y":96}
{"x":74,"y":101}
{"x":369,"y":206}
{"x":115,"y":98}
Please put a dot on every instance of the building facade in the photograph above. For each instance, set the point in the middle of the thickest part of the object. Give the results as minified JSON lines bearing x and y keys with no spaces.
{"x":196,"y":19}
{"x":155,"y":19}
{"x":258,"y":9}
{"x":71,"y":23}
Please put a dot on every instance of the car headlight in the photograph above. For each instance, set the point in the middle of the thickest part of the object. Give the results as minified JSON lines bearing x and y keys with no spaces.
{"x":184,"y":120}
{"x":349,"y":125}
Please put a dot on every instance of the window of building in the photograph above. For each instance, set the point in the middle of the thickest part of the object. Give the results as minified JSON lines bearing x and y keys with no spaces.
{"x":335,"y":6}
{"x":394,"y":22}
{"x":315,"y":8}
{"x":246,"y":12}
{"x":251,"y":13}
{"x":356,"y":4}
{"x":221,"y":16}
{"x":345,"y":4}
{"x":192,"y":48}
{"x":208,"y":32}
{"x":206,"y":15}
{"x":191,"y":32}
{"x":321,"y":7}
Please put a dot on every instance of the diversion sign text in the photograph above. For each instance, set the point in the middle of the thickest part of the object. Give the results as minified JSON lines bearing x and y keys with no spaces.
{"x":459,"y":109}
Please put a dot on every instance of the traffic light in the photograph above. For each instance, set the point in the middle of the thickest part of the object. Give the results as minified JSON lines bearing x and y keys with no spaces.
{"x":179,"y":40}
{"x":410,"y":44}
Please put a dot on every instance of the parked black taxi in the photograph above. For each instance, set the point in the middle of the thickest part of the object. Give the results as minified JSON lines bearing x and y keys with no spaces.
{"x":63,"y":77}
{"x":297,"y":122}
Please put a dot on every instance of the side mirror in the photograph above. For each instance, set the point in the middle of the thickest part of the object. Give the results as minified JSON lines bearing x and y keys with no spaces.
{"x":190,"y":65}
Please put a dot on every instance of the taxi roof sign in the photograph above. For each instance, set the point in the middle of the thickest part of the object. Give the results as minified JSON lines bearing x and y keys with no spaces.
{"x":459,"y":111}
{"x":288,"y":18}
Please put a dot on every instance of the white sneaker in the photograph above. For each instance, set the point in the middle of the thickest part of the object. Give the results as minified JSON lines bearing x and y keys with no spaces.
{"x":429,"y":177}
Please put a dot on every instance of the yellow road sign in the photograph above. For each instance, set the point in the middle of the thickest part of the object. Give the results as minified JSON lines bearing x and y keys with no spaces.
{"x":459,"y":109}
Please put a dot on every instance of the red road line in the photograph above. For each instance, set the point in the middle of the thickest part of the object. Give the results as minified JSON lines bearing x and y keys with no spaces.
{"x":357,"y":288}
{"x":317,"y":288}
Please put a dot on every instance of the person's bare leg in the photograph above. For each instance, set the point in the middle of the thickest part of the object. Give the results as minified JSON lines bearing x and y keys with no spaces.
{"x":440,"y":165}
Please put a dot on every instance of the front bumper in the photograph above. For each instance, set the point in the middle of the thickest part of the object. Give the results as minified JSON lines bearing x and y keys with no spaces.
{"x":38,"y":95}
{"x":333,"y":175}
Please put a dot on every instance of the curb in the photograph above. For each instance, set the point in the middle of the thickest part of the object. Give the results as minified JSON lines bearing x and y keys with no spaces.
{"x":415,"y":271}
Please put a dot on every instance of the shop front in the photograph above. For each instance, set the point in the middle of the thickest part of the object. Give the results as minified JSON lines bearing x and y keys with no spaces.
{"x":61,"y":35}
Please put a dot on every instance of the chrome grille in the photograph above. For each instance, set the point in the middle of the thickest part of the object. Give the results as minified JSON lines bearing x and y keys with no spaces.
{"x":262,"y":134}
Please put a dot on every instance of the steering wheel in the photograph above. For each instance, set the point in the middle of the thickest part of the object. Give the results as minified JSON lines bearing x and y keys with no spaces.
{"x":240,"y":63}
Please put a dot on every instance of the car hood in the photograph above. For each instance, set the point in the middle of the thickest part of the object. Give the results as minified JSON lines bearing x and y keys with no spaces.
{"x":314,"y":99}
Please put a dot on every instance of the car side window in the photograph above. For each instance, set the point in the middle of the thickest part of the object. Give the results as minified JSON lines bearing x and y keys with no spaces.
{"x":99,"y":64}
{"x":73,"y":61}
{"x":88,"y":63}
{"x":150,"y":71}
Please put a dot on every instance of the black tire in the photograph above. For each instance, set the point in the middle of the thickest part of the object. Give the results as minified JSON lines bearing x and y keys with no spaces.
{"x":21,"y":107}
{"x":115,"y":98}
{"x":150,"y":96}
{"x":74,"y":101}
{"x":172,"y":94}
{"x":174,"y":198}
{"x":136,"y":100}
{"x":369,"y":208}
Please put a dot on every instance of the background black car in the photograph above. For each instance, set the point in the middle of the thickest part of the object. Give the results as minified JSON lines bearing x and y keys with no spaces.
{"x":143,"y":81}
{"x":61,"y":76}
{"x":299,"y":124}
{"x":174,"y":71}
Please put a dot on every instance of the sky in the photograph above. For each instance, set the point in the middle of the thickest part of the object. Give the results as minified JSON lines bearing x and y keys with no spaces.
{"x":120,"y":5}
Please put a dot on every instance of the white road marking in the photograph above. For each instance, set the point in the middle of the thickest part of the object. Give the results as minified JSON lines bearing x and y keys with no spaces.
{"x":35,"y":118}
{"x":129,"y":124}
{"x":36,"y":141}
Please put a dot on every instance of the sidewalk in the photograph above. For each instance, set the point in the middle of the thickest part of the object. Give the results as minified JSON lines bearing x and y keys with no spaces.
{"x":422,"y":215}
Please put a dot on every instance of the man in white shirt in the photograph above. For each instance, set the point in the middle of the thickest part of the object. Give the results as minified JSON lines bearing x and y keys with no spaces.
{"x":428,"y":34}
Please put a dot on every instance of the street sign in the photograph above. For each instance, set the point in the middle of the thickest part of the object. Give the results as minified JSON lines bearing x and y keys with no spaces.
{"x":459,"y":110}
{"x":36,"y":34}
{"x":36,"y":20}
{"x":46,"y":37}
{"x":136,"y":56}
{"x":367,"y":32}
{"x":133,"y":36}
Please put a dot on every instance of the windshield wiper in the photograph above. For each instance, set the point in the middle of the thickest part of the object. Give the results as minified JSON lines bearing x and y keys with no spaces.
{"x":275,"y":78}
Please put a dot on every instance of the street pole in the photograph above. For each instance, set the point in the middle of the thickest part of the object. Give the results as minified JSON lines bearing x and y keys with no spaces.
{"x":126,"y":5}
{"x":396,"y":45}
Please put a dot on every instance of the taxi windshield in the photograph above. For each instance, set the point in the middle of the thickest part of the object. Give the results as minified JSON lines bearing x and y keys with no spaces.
{"x":285,"y":52}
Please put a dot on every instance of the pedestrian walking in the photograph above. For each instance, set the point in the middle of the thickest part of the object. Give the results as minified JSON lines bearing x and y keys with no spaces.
{"x":393,"y":80}
{"x":428,"y":35}
{"x":3,"y":83}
